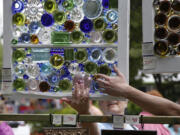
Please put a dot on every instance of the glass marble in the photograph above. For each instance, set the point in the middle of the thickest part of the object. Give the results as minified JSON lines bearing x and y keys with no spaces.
{"x":25,"y":38}
{"x":45,"y":68}
{"x":34,"y":26}
{"x":109,"y":55}
{"x":17,"y":6}
{"x":69,"y":25}
{"x":34,"y":39}
{"x":90,"y":67}
{"x":161,"y":48}
{"x":44,"y":86}
{"x":18,"y":55}
{"x":50,"y":6}
{"x":34,"y":10}
{"x":65,"y":84}
{"x":33,"y":85}
{"x":77,"y":36}
{"x":99,"y":24}
{"x":17,"y":33}
{"x":76,"y":15}
{"x":112,"y":16}
{"x":95,"y":55}
{"x":59,"y":17}
{"x":68,"y":4}
{"x":73,"y":68}
{"x":109,"y":36}
{"x":105,"y":3}
{"x":18,"y":19}
{"x":81,"y":55}
{"x":19,"y":84}
{"x":174,"y":23}
{"x":104,"y":69}
{"x":14,"y":41}
{"x":96,"y":37}
{"x":33,"y":70}
{"x":56,"y":61}
{"x":47,"y":20}
{"x":86,"y":25}
{"x":53,"y":79}
{"x":44,"y":35}
{"x":20,"y":70}
{"x":92,"y":9}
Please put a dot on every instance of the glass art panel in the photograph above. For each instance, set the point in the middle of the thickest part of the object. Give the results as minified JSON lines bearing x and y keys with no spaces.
{"x":53,"y":69}
{"x":57,"y":22}
{"x":167,"y":28}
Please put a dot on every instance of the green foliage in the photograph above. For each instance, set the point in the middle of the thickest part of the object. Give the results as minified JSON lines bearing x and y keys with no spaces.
{"x":135,"y":61}
{"x":133,"y":109}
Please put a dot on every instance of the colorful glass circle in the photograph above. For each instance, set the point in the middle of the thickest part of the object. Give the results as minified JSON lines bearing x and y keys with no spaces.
{"x":34,"y":39}
{"x":161,"y":48}
{"x":68,"y":4}
{"x":90,"y":67}
{"x":47,"y":20}
{"x":44,"y":86}
{"x":77,"y":36}
{"x":18,"y":55}
{"x":81,"y":55}
{"x":56,"y":61}
{"x":65,"y":84}
{"x":19,"y":84}
{"x":18,"y":19}
{"x":92,"y":9}
{"x":104,"y":69}
{"x":112,"y":16}
{"x":59,"y":17}
{"x":69,"y":25}
{"x":109,"y":36}
{"x":86,"y":25}
{"x":50,"y":6}
{"x":17,"y":6}
{"x":99,"y":24}
{"x":25,"y":37}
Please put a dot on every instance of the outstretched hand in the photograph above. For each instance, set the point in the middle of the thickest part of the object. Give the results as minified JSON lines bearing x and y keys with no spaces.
{"x":80,"y":99}
{"x":115,"y":85}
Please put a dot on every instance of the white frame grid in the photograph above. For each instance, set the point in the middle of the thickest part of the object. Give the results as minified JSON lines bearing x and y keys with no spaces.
{"x":123,"y":53}
{"x":170,"y":64}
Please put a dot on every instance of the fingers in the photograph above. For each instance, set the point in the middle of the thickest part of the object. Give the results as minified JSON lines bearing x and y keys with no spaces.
{"x":117,"y":71}
{"x":107,"y":78}
{"x":102,"y":83}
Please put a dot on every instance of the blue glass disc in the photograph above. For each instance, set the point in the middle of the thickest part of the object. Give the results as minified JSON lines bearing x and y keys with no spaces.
{"x":105,"y":3}
{"x":33,"y":26}
{"x":17,"y":6}
{"x":47,"y":20}
{"x":25,"y":37}
{"x":86,"y":25}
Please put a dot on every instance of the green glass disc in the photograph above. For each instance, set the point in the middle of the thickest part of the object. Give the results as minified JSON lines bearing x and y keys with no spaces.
{"x":19,"y":84}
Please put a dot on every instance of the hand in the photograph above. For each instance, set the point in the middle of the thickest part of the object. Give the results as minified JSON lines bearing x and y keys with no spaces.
{"x":114,"y":86}
{"x":80,"y":99}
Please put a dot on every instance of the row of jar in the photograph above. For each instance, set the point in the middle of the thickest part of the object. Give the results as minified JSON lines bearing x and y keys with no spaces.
{"x":65,"y":38}
{"x":58,"y":56}
{"x":55,"y":81}
{"x":166,"y":6}
{"x":34,"y":9}
{"x":162,"y":48}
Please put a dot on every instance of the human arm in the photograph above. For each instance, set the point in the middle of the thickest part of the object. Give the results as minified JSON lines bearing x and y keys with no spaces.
{"x":117,"y":86}
{"x":81,"y":103}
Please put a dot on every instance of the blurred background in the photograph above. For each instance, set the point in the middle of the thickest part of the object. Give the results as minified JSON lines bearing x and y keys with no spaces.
{"x":167,"y":84}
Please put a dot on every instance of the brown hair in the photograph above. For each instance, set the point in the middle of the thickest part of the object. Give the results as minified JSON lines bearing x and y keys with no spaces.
{"x":154,"y":93}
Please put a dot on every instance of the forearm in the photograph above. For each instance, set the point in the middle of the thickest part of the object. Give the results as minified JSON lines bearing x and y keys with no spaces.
{"x":92,"y":127}
{"x":152,"y":104}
